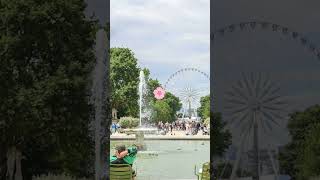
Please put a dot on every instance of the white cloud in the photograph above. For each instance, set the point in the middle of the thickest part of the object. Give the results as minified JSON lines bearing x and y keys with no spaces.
{"x":165,"y":35}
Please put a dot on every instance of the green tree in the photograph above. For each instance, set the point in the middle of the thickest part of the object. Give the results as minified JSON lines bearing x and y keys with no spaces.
{"x":300,"y":126}
{"x":152,"y":84}
{"x":221,"y":136}
{"x":309,"y":160}
{"x":161,"y":111}
{"x":124,"y":77}
{"x":173,"y":101}
{"x":46,"y":52}
{"x":174,"y":104}
{"x":204,"y":109}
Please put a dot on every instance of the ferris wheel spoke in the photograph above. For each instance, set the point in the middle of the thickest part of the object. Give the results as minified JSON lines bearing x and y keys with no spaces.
{"x":266,"y":90}
{"x":270,"y":118}
{"x":182,"y":93}
{"x":245,"y":130}
{"x":265,"y":86}
{"x":196,"y":93}
{"x":193,"y":98}
{"x":240,"y":84}
{"x":272,"y":108}
{"x":249,"y":128}
{"x":276,"y":114}
{"x":253,"y":84}
{"x":270,"y":95}
{"x":243,"y":140}
{"x":242,"y":118}
{"x":274,"y":130}
{"x":248,"y":86}
{"x":235,"y":101}
{"x":235,"y":111}
{"x":270,"y":99}
{"x":280,"y":100}
{"x":276,"y":90}
{"x":258,"y":84}
{"x":264,"y":128}
{"x":239,"y":92}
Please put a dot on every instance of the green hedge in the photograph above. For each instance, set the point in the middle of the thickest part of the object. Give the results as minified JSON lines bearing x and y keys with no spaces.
{"x":207,"y":122}
{"x":129,"y":122}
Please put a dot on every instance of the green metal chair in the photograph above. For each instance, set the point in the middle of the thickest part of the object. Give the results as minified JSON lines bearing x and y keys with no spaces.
{"x":205,"y":173}
{"x":121,"y":172}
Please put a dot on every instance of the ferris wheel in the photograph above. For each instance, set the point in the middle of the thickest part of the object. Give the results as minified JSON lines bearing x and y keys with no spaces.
{"x":256,"y":110}
{"x":189,"y":85}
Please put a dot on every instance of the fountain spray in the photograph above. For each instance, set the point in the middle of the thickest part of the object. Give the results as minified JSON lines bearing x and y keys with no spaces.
{"x":142,"y":91}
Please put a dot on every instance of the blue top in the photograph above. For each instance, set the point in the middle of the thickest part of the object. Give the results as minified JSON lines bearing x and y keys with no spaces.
{"x":113,"y":126}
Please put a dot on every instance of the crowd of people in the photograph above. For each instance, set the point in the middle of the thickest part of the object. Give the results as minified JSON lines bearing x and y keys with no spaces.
{"x":189,"y":127}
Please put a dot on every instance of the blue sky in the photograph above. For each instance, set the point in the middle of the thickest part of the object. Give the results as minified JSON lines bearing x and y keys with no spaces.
{"x":165,"y":35}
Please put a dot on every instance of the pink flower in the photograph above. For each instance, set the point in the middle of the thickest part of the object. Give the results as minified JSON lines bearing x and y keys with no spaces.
{"x":159,"y":93}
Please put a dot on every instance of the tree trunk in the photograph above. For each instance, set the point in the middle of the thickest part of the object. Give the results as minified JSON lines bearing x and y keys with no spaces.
{"x":11,"y":153}
{"x":18,"y":157}
{"x":14,"y":157}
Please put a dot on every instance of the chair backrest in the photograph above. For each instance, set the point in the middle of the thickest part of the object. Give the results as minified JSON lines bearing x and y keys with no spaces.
{"x":205,"y":175}
{"x":120,"y":172}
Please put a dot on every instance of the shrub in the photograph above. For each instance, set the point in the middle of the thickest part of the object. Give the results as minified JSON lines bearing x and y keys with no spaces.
{"x":129,"y":122}
{"x":134,"y":122}
{"x":207,"y":122}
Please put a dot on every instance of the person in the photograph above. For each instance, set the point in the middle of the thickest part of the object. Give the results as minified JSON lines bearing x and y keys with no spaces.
{"x":124,"y":155}
{"x":117,"y":126}
{"x":113,"y":128}
{"x":205,"y":130}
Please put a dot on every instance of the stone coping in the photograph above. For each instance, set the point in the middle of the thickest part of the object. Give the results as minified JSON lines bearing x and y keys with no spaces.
{"x":159,"y":137}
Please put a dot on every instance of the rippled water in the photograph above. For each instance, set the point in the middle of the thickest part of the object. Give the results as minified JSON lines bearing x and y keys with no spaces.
{"x":169,"y":159}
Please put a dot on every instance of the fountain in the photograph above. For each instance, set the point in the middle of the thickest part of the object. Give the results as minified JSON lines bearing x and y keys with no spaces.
{"x":144,"y":114}
{"x":142,"y":91}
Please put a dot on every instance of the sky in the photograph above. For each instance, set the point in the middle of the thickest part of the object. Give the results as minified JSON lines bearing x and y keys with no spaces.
{"x":165,"y":36}
{"x":288,"y":64}
{"x":170,"y":34}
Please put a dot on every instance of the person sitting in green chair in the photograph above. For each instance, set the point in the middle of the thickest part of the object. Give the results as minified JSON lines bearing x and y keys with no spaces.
{"x":124,"y":155}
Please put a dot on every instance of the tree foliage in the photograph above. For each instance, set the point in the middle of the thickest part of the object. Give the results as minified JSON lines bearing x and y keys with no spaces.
{"x":204,"y":109}
{"x":165,"y":110}
{"x":161,"y":111}
{"x":309,"y":160}
{"x":304,"y":129}
{"x":221,"y":136}
{"x":124,"y":77}
{"x":46,"y":58}
{"x":171,"y":100}
{"x":174,"y":104}
{"x":207,"y":122}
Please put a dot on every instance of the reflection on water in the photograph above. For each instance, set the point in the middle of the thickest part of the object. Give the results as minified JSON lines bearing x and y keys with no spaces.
{"x":167,"y":159}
